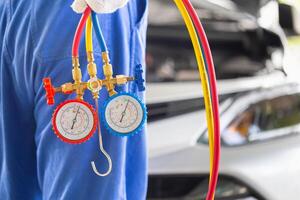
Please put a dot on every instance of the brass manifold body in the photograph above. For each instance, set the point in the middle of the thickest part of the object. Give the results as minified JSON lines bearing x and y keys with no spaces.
{"x":94,"y":84}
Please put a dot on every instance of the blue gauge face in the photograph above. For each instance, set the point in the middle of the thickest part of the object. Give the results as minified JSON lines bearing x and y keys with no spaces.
{"x":124,"y":114}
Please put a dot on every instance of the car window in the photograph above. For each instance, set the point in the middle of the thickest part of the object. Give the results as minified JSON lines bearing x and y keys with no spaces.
{"x":264,"y":117}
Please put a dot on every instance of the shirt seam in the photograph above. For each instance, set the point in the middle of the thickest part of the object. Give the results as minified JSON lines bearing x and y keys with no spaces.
{"x":131,"y":40}
{"x":43,"y":60}
{"x":8,"y":54}
{"x":32,"y":24}
{"x":10,"y":9}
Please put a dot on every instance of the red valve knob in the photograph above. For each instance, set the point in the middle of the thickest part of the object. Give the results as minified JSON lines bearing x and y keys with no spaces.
{"x":50,"y":92}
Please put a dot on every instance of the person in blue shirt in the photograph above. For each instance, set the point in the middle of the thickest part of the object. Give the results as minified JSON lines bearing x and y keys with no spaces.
{"x":36,"y":40}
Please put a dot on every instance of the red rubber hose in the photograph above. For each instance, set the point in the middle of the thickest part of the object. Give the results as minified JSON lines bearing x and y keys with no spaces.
{"x":79,"y":31}
{"x":214,"y":94}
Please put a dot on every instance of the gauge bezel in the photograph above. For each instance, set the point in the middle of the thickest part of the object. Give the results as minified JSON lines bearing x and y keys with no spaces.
{"x":67,"y":140}
{"x":131,"y":133}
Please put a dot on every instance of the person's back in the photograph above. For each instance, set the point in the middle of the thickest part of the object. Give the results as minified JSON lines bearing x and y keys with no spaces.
{"x":35,"y":40}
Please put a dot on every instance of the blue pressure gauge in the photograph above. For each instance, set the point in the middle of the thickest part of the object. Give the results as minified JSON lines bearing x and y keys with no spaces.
{"x":124,"y":114}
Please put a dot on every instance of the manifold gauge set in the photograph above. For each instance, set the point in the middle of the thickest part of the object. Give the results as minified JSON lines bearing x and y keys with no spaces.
{"x":122,"y":113}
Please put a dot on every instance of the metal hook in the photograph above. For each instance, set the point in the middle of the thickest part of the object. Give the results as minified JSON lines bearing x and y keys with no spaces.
{"x":103,"y":151}
{"x":109,"y":168}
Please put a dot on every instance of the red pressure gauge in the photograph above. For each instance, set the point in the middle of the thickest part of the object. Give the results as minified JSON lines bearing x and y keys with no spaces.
{"x":74,"y":121}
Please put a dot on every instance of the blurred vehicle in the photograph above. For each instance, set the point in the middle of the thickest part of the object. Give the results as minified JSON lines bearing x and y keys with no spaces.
{"x":259,"y":106}
{"x":260,"y":154}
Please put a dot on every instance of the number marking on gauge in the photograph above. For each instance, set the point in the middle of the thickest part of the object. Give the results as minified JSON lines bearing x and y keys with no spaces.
{"x":124,"y":114}
{"x":74,"y":121}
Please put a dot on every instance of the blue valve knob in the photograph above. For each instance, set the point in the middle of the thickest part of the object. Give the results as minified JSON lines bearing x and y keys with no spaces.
{"x":138,"y":77}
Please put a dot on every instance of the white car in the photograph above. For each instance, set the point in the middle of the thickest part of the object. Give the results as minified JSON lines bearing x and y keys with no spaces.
{"x":261,"y":163}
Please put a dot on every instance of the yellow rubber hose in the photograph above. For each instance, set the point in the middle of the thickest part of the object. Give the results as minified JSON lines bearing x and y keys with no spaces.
{"x":203,"y":76}
{"x":89,"y":35}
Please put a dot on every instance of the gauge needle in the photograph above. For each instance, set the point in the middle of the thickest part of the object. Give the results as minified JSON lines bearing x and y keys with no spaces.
{"x":124,"y":112}
{"x":75,"y":119}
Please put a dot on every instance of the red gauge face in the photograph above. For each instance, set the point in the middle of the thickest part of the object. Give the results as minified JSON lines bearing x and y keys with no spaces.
{"x":74,"y":121}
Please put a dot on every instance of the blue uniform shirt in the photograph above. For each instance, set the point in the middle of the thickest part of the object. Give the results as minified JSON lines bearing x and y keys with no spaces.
{"x":35,"y":42}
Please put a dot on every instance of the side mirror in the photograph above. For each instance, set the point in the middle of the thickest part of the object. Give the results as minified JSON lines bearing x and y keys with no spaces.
{"x":289,"y":19}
